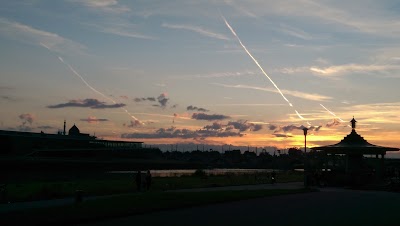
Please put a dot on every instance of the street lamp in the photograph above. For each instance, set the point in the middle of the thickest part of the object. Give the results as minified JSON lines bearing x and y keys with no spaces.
{"x":305,"y":157}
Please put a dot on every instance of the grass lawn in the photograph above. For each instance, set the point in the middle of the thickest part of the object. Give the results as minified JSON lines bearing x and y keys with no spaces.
{"x":130,"y":204}
{"x":116,"y":184}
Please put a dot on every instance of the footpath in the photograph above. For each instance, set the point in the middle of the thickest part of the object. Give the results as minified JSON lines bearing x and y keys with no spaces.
{"x":18,"y":206}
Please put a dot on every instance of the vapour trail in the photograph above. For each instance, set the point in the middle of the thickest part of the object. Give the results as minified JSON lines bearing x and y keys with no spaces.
{"x":93,"y":89}
{"x":259,"y":66}
{"x":84,"y":81}
{"x":331,"y":113}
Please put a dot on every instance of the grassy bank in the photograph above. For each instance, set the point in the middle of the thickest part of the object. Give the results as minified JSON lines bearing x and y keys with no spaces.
{"x":130,"y":204}
{"x":105,"y":184}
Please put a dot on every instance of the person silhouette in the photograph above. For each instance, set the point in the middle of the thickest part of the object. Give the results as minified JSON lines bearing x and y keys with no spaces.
{"x":139,"y":180}
{"x":148,"y":180}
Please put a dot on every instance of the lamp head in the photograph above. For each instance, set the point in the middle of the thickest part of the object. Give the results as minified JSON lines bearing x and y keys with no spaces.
{"x":305,"y":131}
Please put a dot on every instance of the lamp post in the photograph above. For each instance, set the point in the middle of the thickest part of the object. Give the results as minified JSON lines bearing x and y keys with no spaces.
{"x":305,"y":157}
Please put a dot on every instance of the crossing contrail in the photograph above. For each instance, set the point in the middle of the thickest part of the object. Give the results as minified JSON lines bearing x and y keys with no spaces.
{"x":259,"y":66}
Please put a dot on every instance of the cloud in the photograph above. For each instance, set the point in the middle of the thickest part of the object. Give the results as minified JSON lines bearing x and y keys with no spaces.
{"x":335,"y":122}
{"x":193,"y":108}
{"x":244,"y":126}
{"x":133,"y":123}
{"x":203,"y":116}
{"x":298,"y":94}
{"x":27,"y":118}
{"x":90,"y":103}
{"x":94,"y":119}
{"x":8,"y":98}
{"x":289,"y":128}
{"x":161,"y":99}
{"x":123,"y":31}
{"x":196,"y":29}
{"x":26,"y":121}
{"x":172,"y":132}
{"x":214,"y":126}
{"x":281,"y":135}
{"x":298,"y":33}
{"x":137,"y":99}
{"x":272,"y":127}
{"x":352,"y":68}
{"x":218,"y":75}
{"x":27,"y":34}
{"x":109,"y":6}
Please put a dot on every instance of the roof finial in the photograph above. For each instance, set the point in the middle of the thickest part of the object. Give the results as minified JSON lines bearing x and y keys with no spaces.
{"x":353,"y":123}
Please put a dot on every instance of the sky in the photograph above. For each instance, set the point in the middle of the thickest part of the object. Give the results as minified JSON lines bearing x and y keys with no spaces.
{"x":216,"y":72}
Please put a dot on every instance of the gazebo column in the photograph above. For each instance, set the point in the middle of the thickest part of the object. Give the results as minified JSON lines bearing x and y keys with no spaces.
{"x":382,"y":166}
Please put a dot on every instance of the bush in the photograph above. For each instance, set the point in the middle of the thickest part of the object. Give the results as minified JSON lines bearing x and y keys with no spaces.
{"x":200,"y":173}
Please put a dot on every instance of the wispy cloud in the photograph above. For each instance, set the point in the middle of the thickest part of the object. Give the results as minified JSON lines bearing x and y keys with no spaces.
{"x":352,"y":68}
{"x":109,"y":6}
{"x":196,"y":29}
{"x":28,"y":34}
{"x":240,"y":8}
{"x":295,"y":32}
{"x":124,"y":32}
{"x":303,"y":95}
{"x":94,"y":119}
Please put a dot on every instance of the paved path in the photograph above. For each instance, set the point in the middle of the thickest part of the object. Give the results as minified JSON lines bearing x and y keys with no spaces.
{"x":4,"y":208}
{"x":329,"y":207}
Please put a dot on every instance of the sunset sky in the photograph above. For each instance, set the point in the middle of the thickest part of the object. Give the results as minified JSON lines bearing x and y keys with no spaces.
{"x":166,"y":72}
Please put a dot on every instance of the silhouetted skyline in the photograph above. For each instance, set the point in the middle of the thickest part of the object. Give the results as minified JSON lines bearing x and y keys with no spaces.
{"x":164,"y":72}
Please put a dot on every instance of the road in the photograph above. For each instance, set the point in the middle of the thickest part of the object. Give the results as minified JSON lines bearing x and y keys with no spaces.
{"x":329,"y":207}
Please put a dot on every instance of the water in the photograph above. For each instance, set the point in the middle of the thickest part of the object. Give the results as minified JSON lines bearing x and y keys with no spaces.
{"x":187,"y":172}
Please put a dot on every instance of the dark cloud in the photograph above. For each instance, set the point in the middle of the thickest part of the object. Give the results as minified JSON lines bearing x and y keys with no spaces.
{"x":281,"y":135}
{"x":272,"y":127}
{"x":90,"y":103}
{"x":7,"y":98}
{"x":27,"y":118}
{"x":93,"y":119}
{"x":257,"y":127}
{"x":174,"y":106}
{"x":194,"y":108}
{"x":289,"y":128}
{"x":244,"y":126}
{"x":26,"y":121}
{"x":133,"y":123}
{"x":315,"y":128}
{"x":163,"y":100}
{"x":214,"y":126}
{"x":334,"y":123}
{"x":181,"y":133}
{"x":145,"y":99}
{"x":203,"y":116}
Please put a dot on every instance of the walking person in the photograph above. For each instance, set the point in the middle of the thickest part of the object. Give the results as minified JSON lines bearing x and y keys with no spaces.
{"x":139,"y":180}
{"x":148,"y":180}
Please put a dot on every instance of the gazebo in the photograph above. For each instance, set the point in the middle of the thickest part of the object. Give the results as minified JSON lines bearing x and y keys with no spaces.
{"x":356,"y":168}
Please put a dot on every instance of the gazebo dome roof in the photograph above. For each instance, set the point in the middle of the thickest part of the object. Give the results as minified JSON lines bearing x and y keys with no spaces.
{"x":74,"y":130}
{"x":354,"y":143}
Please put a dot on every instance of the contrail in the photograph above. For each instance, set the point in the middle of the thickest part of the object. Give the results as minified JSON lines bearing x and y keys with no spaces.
{"x":259,"y":66}
{"x":93,"y":89}
{"x":331,"y":113}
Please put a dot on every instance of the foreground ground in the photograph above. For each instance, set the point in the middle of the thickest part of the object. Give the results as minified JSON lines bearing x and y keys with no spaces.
{"x":329,"y":207}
